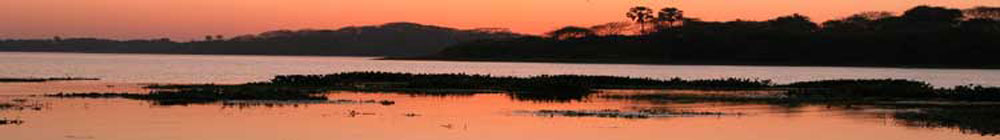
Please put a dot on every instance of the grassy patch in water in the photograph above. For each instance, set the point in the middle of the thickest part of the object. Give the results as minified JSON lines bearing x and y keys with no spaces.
{"x":569,"y":87}
{"x":543,"y":88}
{"x":887,"y":89}
{"x":194,"y":96}
{"x":639,"y":114}
{"x":10,"y":122}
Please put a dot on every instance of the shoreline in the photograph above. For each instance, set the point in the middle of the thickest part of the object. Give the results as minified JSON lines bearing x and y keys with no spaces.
{"x":598,"y":61}
{"x":551,"y":61}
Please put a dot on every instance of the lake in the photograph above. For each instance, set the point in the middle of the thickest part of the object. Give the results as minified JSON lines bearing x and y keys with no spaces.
{"x":413,"y":116}
{"x":141,"y":68}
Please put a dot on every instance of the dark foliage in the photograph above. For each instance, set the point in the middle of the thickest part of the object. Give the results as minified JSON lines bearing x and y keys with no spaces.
{"x":924,"y":36}
{"x":976,"y":120}
{"x":970,"y":93}
{"x":9,"y":122}
{"x":863,"y":88}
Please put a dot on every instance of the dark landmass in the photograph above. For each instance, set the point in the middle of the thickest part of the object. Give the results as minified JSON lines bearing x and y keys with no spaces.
{"x":392,"y":39}
{"x":924,"y":36}
{"x":555,"y":88}
{"x":21,"y":80}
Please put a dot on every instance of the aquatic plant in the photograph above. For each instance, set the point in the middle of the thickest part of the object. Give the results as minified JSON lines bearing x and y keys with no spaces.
{"x":466,"y":81}
{"x":21,"y":106}
{"x":575,"y":87}
{"x":8,"y":122}
{"x":541,"y":88}
{"x":862,"y":88}
{"x":610,"y":113}
{"x":970,"y":93}
{"x":193,"y":96}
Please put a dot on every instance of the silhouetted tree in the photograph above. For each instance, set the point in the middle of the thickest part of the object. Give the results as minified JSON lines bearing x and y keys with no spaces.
{"x":983,"y":12}
{"x":670,"y":16}
{"x":611,"y":28}
{"x":642,"y":16}
{"x":570,"y":32}
{"x":793,"y":23}
{"x":933,"y":14}
{"x":856,"y":23}
{"x":981,"y":25}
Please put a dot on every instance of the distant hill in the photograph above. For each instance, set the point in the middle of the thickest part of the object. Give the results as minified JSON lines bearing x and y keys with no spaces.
{"x":392,"y":39}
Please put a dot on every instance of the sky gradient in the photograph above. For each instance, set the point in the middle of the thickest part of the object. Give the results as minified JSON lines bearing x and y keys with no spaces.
{"x":192,"y":19}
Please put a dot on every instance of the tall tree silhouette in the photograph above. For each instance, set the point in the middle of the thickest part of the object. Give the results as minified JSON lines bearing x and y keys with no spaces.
{"x":670,"y":16}
{"x":641,"y":15}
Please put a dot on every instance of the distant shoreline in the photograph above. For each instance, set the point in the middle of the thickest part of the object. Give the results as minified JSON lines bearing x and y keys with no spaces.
{"x":169,"y":53}
{"x":557,"y":61}
{"x":640,"y":62}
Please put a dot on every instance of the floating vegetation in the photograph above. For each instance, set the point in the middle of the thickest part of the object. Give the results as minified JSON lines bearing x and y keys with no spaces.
{"x":411,"y":115}
{"x":640,"y":114}
{"x":575,"y":87}
{"x":13,"y":80}
{"x":889,"y":89}
{"x":353,"y":113}
{"x":540,"y":88}
{"x":21,"y":104}
{"x":296,"y":103}
{"x":10,"y":122}
{"x":243,"y":99}
{"x":200,"y":96}
{"x":541,"y":83}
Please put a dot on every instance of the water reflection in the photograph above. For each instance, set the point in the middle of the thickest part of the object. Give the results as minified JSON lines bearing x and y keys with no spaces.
{"x":475,"y":114}
{"x":974,"y":120}
{"x":968,"y":118}
{"x":553,"y":98}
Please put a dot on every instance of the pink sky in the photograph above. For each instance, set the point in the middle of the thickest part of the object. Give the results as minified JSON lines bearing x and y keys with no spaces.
{"x":191,"y":19}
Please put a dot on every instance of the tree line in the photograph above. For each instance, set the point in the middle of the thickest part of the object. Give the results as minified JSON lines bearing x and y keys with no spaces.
{"x":923,"y":36}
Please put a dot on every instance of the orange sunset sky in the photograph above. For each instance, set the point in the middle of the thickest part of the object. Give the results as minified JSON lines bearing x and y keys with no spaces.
{"x":192,"y":19}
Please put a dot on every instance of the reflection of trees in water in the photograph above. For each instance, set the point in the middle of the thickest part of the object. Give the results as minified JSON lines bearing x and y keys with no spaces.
{"x":975,"y":120}
{"x":970,"y":119}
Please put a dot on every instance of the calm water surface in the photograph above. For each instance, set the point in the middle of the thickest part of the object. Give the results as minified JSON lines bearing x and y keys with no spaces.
{"x":480,"y":116}
{"x":133,"y":68}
